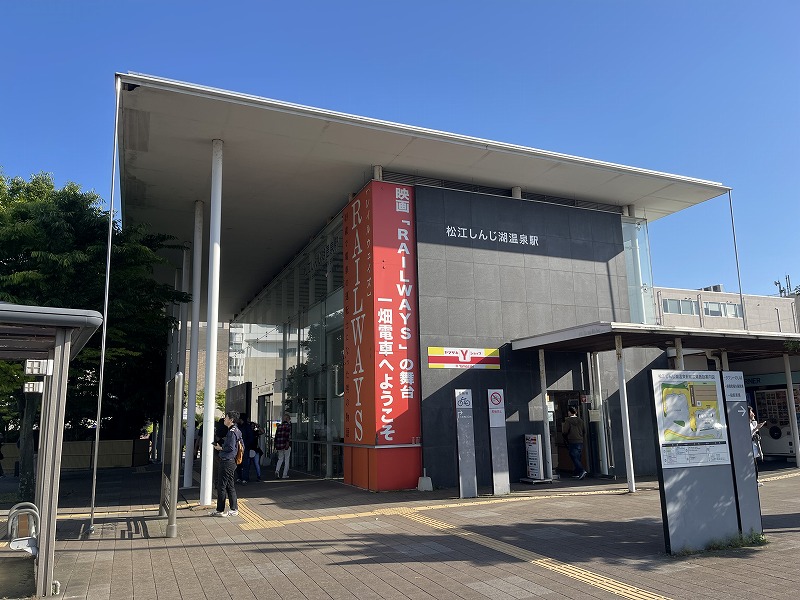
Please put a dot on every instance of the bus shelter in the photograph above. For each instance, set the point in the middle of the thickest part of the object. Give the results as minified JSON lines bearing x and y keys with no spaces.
{"x":52,"y":336}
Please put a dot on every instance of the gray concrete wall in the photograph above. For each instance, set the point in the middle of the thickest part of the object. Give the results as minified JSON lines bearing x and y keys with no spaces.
{"x":476,"y":293}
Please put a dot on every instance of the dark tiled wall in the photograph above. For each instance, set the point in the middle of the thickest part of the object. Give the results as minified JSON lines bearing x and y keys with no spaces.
{"x":476,"y":293}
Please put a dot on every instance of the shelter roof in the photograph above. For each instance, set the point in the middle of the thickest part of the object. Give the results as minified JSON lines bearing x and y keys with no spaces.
{"x":600,"y":337}
{"x":30,"y":331}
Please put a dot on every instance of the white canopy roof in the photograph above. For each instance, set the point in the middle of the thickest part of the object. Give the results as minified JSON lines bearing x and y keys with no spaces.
{"x":288,"y":169}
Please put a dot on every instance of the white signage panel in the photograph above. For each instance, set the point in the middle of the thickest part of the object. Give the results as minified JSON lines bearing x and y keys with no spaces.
{"x":463,"y":399}
{"x":497,"y":408}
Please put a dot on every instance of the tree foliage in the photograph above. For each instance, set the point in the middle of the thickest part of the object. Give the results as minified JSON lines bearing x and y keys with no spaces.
{"x":53,"y":253}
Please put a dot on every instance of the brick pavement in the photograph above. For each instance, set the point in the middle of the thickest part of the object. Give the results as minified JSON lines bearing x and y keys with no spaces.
{"x":309,"y":539}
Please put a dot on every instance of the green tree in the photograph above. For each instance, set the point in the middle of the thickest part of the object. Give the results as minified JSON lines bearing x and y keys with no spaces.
{"x":53,"y":253}
{"x":219,"y":398}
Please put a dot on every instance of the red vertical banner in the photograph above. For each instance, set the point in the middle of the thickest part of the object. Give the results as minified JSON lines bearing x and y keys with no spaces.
{"x":397,"y":407}
{"x":381,"y":359}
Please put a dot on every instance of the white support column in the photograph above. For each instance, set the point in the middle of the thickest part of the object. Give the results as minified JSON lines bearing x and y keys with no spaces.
{"x":792,"y":409}
{"x":516,"y":192}
{"x":725,"y":366}
{"x":377,"y":173}
{"x":623,"y":405}
{"x":548,"y":451}
{"x":197,"y":275}
{"x":679,"y":364}
{"x":597,"y":401}
{"x":215,"y":228}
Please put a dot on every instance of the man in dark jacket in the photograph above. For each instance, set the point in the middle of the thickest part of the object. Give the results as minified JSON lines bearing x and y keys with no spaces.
{"x":574,"y":433}
{"x":227,"y":468}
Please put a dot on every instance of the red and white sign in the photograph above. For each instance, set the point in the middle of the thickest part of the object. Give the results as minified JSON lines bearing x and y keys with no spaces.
{"x":463,"y":358}
{"x":497,"y":408}
{"x":382,"y":394}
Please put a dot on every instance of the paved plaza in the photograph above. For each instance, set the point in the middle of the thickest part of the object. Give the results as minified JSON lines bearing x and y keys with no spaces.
{"x":302,"y":538}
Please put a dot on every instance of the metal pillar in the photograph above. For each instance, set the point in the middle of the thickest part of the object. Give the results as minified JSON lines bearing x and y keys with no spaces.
{"x":679,"y":365}
{"x":548,"y":451}
{"x":736,"y":254}
{"x":792,"y":409}
{"x":197,"y":257}
{"x":597,"y":401}
{"x":215,"y":228}
{"x":184,"y":311}
{"x":51,"y":439}
{"x":623,"y":405}
{"x":516,"y":192}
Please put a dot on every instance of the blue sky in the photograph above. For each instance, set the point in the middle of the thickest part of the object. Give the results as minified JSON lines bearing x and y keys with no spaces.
{"x":707,"y":89}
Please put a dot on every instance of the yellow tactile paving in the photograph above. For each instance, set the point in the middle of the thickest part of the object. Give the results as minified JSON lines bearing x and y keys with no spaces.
{"x":599,"y":581}
{"x":259,"y":523}
{"x":593,"y":579}
{"x":253,"y":521}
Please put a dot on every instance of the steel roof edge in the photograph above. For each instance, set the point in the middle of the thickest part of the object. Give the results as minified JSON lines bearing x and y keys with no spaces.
{"x":611,"y":327}
{"x":86,"y":322}
{"x":345,"y":118}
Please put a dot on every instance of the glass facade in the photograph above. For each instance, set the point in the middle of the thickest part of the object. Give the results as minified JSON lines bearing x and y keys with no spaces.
{"x":637,"y":265}
{"x":289,"y":342}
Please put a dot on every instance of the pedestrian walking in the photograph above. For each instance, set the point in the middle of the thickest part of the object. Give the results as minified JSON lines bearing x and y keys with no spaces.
{"x":574,"y":432}
{"x":226,"y":485}
{"x":283,"y":445}
{"x":756,"y":437}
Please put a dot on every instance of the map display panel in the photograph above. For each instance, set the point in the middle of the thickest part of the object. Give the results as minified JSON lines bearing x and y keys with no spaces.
{"x":692,"y":428}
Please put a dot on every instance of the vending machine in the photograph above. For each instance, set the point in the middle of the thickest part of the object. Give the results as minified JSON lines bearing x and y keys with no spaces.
{"x":772,"y":406}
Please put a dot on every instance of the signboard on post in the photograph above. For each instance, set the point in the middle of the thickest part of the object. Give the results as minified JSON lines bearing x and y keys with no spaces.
{"x":497,"y":408}
{"x":698,"y":495}
{"x":465,"y":435}
{"x":497,"y":437}
{"x":741,"y":442}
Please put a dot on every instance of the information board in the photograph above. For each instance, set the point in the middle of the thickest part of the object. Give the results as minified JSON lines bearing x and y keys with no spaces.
{"x":692,"y":427}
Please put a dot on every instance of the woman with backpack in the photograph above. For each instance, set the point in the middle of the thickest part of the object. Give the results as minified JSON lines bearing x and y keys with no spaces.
{"x":230,"y":451}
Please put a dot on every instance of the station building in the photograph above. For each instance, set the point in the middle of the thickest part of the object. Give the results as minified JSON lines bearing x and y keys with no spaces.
{"x":369,"y":270}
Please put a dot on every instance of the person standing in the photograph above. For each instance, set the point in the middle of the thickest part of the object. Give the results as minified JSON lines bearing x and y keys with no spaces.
{"x":243,"y":470}
{"x":283,"y":445}
{"x":574,"y":432}
{"x":756,"y":437}
{"x":227,"y":468}
{"x":255,"y":452}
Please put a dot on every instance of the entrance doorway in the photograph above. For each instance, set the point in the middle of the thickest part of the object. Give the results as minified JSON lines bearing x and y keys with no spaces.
{"x":562,"y":400}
